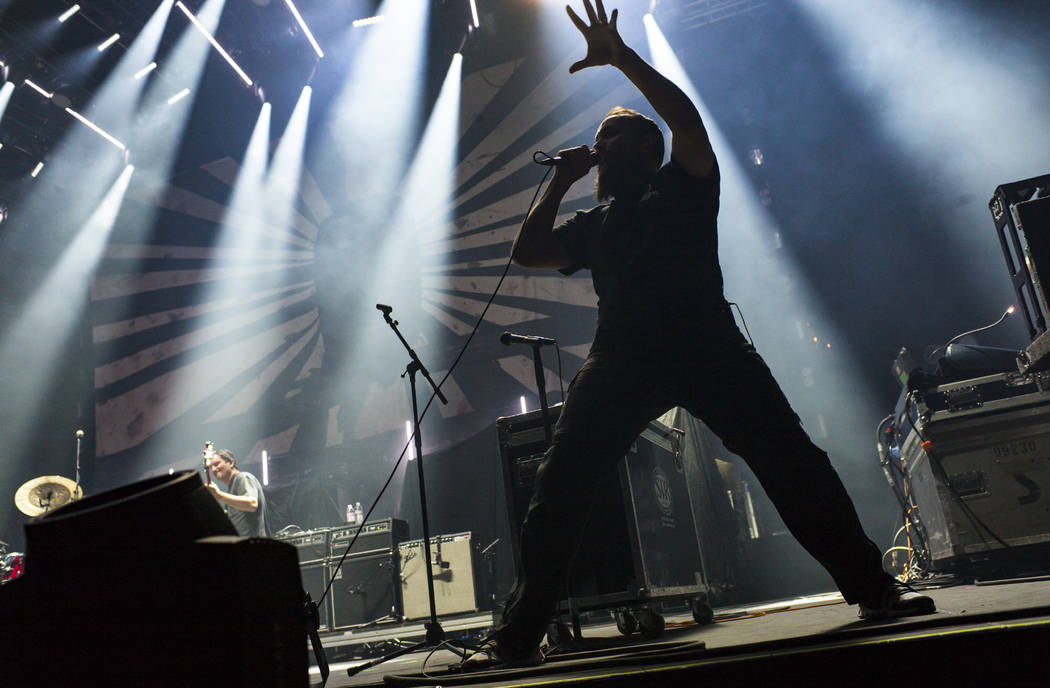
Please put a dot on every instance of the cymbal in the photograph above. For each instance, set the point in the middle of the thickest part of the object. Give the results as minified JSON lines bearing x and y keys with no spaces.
{"x":46,"y":493}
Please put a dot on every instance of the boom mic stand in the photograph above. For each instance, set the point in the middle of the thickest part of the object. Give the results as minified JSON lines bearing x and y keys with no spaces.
{"x":435,"y":634}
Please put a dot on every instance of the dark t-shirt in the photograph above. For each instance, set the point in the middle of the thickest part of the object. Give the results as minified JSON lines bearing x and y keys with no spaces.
{"x":252,"y":523}
{"x":654,"y":264}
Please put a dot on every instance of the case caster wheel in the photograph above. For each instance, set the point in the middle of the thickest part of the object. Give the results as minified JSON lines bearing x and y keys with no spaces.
{"x":626,"y":623}
{"x":650,"y":624}
{"x":702,"y":612}
{"x":558,"y":634}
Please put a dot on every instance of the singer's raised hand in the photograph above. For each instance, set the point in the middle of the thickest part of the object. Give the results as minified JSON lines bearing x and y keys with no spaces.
{"x":604,"y":45}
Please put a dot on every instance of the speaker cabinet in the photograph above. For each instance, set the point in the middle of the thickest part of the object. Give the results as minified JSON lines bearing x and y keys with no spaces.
{"x":452,"y":563}
{"x":315,"y":578}
{"x":364,"y":590}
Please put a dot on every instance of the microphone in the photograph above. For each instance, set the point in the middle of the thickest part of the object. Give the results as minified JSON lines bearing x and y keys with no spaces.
{"x":557,"y":160}
{"x":508,"y":338}
{"x":386,"y":309}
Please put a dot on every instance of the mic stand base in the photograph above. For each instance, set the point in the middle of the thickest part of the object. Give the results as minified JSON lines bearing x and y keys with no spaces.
{"x":435,"y":638}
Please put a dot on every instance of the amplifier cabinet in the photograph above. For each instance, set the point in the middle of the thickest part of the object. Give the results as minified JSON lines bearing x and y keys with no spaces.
{"x":640,"y":541}
{"x":310,"y":546}
{"x":382,"y":535}
{"x":365,"y":589}
{"x":315,"y":579}
{"x":452,"y":563}
{"x":984,"y":471}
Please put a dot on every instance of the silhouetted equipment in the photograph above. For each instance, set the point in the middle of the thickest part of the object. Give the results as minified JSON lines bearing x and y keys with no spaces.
{"x":1021,"y":211}
{"x":974,"y":455}
{"x":365,"y":588}
{"x":148,"y":584}
{"x":640,"y":544}
{"x":452,"y":559}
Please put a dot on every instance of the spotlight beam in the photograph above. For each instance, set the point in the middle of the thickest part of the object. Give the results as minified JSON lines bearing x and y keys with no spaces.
{"x":214,"y":43}
{"x":304,"y":27}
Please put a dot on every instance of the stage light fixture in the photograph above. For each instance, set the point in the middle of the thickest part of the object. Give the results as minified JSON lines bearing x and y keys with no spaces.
{"x":97,"y":129}
{"x":523,"y":408}
{"x":411,"y":442}
{"x":68,"y":13}
{"x":304,"y":27}
{"x":145,"y":70}
{"x":474,"y":13}
{"x":36,"y":170}
{"x":367,"y":21}
{"x":39,"y":89}
{"x":178,"y":96}
{"x":108,"y":42}
{"x":215,"y":44}
{"x":5,"y":97}
{"x":265,"y":469}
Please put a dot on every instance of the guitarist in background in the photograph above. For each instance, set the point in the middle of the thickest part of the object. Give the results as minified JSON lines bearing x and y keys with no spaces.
{"x":244,"y":499}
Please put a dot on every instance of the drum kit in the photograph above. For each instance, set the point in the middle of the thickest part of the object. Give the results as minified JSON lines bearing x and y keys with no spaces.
{"x":34,"y":498}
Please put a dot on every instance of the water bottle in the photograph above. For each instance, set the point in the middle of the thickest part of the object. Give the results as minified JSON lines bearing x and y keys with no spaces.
{"x":359,"y":515}
{"x":351,"y":515}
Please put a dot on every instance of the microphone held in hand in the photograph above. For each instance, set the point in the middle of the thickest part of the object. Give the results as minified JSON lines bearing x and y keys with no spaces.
{"x":508,"y":338}
{"x":557,"y":160}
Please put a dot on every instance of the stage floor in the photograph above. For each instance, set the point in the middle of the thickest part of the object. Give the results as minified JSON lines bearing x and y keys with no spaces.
{"x":799,"y":633}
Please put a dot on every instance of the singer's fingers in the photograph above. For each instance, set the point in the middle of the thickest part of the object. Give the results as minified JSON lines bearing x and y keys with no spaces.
{"x":601,"y":13}
{"x":590,"y":12}
{"x":612,"y":22}
{"x":580,"y":24}
{"x":577,"y":66}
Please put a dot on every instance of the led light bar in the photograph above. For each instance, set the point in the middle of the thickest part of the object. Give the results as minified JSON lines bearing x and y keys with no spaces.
{"x":145,"y":70}
{"x":97,"y":129}
{"x":108,"y":42}
{"x":36,"y":170}
{"x":366,"y":21}
{"x":305,"y":28}
{"x":474,"y":14}
{"x":265,"y":469}
{"x":214,"y":43}
{"x":38,"y":89}
{"x":178,"y":96}
{"x":68,"y":13}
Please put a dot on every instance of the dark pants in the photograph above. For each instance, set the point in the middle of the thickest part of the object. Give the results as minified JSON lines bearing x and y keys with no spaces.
{"x":722,"y":381}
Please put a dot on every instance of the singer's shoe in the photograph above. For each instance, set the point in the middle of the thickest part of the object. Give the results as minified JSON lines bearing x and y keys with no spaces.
{"x":895,"y":600}
{"x":490,"y":656}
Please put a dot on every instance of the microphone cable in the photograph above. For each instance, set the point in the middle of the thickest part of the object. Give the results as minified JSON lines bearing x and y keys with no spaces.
{"x":433,"y":394}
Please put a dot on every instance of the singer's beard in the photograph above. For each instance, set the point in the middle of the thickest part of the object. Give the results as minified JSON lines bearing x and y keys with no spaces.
{"x":621,"y":180}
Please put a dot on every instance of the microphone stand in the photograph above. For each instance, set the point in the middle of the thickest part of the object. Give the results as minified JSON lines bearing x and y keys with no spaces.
{"x":435,"y":634}
{"x":541,"y":389}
